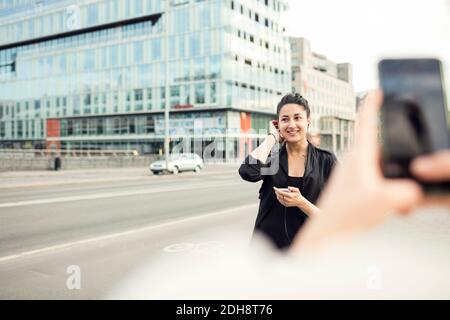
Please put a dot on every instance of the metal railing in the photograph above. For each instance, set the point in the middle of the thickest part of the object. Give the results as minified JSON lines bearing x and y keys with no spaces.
{"x":43,"y":153}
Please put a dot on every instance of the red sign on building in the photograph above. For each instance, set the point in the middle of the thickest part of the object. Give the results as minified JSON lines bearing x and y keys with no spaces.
{"x":53,"y":131}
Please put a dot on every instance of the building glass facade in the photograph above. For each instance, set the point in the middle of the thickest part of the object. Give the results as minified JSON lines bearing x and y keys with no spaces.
{"x":98,"y":73}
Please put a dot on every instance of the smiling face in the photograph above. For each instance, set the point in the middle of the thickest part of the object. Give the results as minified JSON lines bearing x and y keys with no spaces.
{"x":293,"y":122}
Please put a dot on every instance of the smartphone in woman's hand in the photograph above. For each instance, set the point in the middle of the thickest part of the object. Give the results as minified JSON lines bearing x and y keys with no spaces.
{"x":282,"y":189}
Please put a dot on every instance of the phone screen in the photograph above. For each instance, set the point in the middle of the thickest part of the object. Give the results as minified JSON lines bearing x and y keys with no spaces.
{"x":414,"y":112}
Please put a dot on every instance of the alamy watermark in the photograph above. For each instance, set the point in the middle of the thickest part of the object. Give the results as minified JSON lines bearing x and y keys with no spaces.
{"x":219,"y":148}
{"x":374,"y":279}
{"x":73,"y":282}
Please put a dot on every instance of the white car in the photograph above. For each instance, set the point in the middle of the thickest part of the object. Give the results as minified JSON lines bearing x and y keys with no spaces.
{"x":177,"y":163}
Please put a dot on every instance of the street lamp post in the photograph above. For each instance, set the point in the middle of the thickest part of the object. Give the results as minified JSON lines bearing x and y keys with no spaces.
{"x":166,"y":88}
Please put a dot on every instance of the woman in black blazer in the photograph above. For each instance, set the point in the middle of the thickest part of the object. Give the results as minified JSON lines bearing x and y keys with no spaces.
{"x":297,"y":165}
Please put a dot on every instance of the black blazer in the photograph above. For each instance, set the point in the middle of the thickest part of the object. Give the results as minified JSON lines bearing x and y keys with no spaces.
{"x":318,"y":168}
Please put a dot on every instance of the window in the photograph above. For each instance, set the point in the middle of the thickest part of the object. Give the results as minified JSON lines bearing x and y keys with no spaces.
{"x":150,"y":125}
{"x":187,"y":94}
{"x":128,"y":104}
{"x":163,"y":97}
{"x":132,"y":125}
{"x":174,"y":95}
{"x":123,"y":54}
{"x":138,"y":97}
{"x":138,"y":52}
{"x":199,"y":68}
{"x":89,"y":60}
{"x":76,"y":105}
{"x":87,"y":104}
{"x":100,"y":126}
{"x":116,"y":126}
{"x":92,"y":14}
{"x":181,"y":46}
{"x":212,"y":92}
{"x":84,"y":126}
{"x":175,"y":91}
{"x":149,"y":99}
{"x":116,"y":102}
{"x":138,"y":94}
{"x":124,"y":125}
{"x":200,"y":93}
{"x":172,"y":49}
{"x":215,"y":67}
{"x":205,"y":20}
{"x":229,"y":91}
{"x":138,"y":7}
{"x":114,"y":56}
{"x":156,"y":49}
{"x":194,"y":44}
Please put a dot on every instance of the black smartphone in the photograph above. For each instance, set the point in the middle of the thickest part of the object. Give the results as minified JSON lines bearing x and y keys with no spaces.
{"x":414,"y":116}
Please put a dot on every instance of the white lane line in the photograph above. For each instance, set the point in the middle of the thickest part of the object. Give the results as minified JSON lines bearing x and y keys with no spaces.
{"x":66,"y":181}
{"x":112,"y":195}
{"x":125,"y":233}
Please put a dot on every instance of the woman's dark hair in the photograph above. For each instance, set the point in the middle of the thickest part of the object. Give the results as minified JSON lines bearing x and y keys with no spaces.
{"x":296,"y":99}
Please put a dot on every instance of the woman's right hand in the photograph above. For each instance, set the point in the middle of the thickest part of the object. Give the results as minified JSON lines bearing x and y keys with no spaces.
{"x":273,"y":129}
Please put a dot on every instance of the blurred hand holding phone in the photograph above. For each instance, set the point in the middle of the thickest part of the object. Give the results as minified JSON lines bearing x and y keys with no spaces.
{"x":413,"y":116}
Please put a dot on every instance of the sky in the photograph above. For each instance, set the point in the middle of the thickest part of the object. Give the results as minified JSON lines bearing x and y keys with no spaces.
{"x":364,"y":31}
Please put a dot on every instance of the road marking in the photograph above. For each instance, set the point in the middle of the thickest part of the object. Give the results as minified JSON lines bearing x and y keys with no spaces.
{"x":111,"y":195}
{"x":124,"y":233}
{"x":118,"y":179}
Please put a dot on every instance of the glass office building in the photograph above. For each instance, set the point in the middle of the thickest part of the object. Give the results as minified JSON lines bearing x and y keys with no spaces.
{"x":96,"y":74}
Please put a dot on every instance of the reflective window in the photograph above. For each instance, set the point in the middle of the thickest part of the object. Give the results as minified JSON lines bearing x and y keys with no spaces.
{"x":138,"y":7}
{"x":138,"y":52}
{"x":199,"y":67}
{"x":123,"y":55}
{"x":114,"y":50}
{"x":206,"y":43}
{"x":156,"y":49}
{"x":148,"y":6}
{"x":213,"y":92}
{"x":89,"y":60}
{"x":214,"y":63}
{"x":92,"y":14}
{"x":172,"y":49}
{"x":200,"y":93}
{"x":194,"y":45}
{"x":205,"y":21}
{"x":181,"y":44}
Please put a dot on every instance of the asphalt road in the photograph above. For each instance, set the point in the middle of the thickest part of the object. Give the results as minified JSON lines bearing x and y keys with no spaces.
{"x":106,"y":226}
